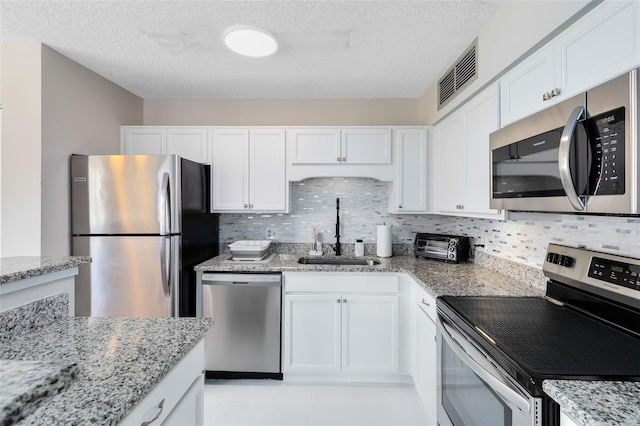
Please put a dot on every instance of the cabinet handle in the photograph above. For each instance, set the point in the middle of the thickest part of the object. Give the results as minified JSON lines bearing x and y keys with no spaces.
{"x":337,"y":300}
{"x":250,"y":206}
{"x":160,"y":406}
{"x":400,"y":206}
{"x":344,"y":158}
{"x":555,"y":92}
{"x":344,"y":300}
{"x":424,"y":302}
{"x":246,"y":206}
{"x":546,"y":96}
{"x":338,"y":159}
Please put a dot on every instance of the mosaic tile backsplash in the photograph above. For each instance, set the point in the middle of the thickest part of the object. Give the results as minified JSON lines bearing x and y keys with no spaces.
{"x":364,"y":203}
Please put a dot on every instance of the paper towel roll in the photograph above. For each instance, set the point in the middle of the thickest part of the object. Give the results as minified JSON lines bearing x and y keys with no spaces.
{"x":384,"y":241}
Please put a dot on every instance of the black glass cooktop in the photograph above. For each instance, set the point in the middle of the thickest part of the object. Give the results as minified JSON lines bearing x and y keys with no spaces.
{"x":547,"y":340}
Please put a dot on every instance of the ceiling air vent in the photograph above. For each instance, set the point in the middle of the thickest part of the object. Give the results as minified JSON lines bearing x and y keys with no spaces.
{"x":459,"y":75}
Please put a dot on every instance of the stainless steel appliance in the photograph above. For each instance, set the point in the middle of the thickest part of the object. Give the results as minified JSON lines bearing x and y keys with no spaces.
{"x":579,"y":156}
{"x":451,"y":248}
{"x":244,"y":341}
{"x":145,"y":222}
{"x":495,"y":352}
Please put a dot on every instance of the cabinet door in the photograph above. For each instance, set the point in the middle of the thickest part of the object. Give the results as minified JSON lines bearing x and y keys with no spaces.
{"x":190,"y":409}
{"x":366,"y":146}
{"x":267,"y":177}
{"x":314,"y":146}
{"x":602,"y":45}
{"x":522,"y":89}
{"x":480,"y":119}
{"x":143,"y":140}
{"x":189,"y":142}
{"x":450,"y":164}
{"x":427,"y":367}
{"x":411,"y":171}
{"x":312,"y":333}
{"x":230,"y":170}
{"x":370,"y":334}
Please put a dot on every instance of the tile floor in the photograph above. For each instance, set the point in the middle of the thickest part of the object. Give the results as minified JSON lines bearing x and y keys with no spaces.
{"x":273,"y":402}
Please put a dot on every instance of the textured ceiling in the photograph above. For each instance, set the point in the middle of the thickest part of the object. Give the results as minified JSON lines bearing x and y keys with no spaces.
{"x":328,"y":49}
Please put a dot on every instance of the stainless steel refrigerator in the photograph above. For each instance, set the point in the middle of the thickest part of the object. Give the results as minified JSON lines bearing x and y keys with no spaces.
{"x":145,"y":221}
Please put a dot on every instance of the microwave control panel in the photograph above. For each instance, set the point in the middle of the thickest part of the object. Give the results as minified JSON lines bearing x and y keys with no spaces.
{"x":607,"y":135}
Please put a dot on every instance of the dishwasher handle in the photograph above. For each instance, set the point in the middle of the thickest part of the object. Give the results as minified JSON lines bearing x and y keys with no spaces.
{"x":253,"y":280}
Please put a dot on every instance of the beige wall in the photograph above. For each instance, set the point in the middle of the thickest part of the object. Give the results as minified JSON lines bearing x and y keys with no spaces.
{"x":21,"y":150}
{"x":302,"y":112}
{"x":52,"y":107}
{"x":81,"y":114}
{"x":511,"y":31}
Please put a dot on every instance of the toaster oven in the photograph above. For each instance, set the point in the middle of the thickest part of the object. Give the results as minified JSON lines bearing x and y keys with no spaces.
{"x":451,"y":248}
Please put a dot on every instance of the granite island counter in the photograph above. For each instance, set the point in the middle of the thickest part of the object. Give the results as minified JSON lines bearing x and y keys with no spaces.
{"x":94,"y":370}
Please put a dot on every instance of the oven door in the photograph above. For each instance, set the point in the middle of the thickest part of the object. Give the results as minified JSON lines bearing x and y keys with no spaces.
{"x":474,"y":391}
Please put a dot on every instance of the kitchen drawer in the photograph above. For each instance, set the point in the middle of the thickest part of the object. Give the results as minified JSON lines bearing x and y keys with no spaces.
{"x":328,"y":282}
{"x":425,"y":301}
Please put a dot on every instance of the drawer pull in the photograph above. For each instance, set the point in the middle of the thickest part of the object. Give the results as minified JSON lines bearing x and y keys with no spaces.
{"x":160,"y":406}
{"x":424,"y":302}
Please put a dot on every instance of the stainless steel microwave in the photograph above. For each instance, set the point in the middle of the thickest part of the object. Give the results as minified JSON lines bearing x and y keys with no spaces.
{"x":580,"y":155}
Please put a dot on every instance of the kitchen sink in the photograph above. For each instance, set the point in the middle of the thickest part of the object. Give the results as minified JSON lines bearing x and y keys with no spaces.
{"x":333,"y":261}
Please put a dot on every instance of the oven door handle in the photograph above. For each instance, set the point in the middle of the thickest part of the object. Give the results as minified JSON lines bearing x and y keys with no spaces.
{"x":460,"y":345}
{"x":563,"y":158}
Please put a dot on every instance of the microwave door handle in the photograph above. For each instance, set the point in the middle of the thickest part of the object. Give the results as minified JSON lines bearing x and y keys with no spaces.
{"x":563,"y":158}
{"x":513,"y":397}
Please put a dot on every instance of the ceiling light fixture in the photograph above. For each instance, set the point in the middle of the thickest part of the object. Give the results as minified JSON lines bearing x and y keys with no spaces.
{"x":250,"y":41}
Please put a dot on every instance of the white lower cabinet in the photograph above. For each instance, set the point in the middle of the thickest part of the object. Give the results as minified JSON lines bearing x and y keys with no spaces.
{"x":345,"y":323}
{"x":426,"y":367}
{"x":178,"y":398}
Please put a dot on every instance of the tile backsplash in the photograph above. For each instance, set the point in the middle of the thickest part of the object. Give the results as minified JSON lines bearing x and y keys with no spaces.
{"x":364,"y":202}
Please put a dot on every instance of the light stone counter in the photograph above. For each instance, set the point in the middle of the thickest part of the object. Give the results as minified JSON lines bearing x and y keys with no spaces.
{"x":112,"y":363}
{"x":599,"y":403}
{"x":23,"y":267}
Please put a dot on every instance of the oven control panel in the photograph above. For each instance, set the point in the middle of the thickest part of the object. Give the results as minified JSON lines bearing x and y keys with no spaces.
{"x":619,"y":273}
{"x":560,"y":259}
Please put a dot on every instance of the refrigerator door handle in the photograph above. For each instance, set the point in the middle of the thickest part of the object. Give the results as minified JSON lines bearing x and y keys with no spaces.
{"x":165,"y":205}
{"x":165,"y":266}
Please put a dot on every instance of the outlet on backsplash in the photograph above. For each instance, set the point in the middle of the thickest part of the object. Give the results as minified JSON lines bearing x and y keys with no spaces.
{"x":270,"y":233}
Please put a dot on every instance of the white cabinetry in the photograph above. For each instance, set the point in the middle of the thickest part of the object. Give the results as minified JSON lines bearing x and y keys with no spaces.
{"x":462,"y":159}
{"x":565,"y":420}
{"x":409,"y":189}
{"x":178,"y":398}
{"x":189,"y":142}
{"x":340,"y":323}
{"x":601,"y":45}
{"x":22,"y":292}
{"x":249,"y":170}
{"x":424,"y":307}
{"x":331,"y":152}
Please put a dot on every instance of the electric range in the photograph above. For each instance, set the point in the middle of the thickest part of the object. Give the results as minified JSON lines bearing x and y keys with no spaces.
{"x":495,"y":352}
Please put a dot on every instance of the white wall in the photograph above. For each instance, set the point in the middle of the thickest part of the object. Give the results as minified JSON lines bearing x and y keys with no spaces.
{"x":81,"y":114}
{"x":21,"y":149}
{"x":52,"y":107}
{"x":510,"y":32}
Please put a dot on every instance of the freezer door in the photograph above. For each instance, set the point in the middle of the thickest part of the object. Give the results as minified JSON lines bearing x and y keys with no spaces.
{"x":125,"y":194}
{"x":128,"y":276}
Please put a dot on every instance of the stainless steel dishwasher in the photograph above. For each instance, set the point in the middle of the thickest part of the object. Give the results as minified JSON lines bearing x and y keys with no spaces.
{"x":244,"y":341}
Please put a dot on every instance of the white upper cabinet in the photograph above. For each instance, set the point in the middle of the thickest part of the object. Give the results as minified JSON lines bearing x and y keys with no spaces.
{"x":249,"y":170}
{"x":409,"y":189}
{"x":336,"y":146}
{"x":143,"y":140}
{"x":366,"y":146}
{"x":462,"y":159}
{"x":314,"y":146}
{"x":601,"y":45}
{"x":191,"y":143}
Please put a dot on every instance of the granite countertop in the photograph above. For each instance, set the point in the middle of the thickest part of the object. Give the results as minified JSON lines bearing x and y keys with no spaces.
{"x":438,"y":278}
{"x":588,"y":402}
{"x":116,"y":362}
{"x":597,"y":402}
{"x":22,"y":267}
